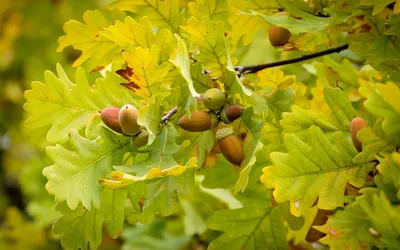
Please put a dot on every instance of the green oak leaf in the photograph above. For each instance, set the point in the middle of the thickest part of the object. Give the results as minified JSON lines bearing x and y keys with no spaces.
{"x":393,"y":26}
{"x":214,"y":48}
{"x":64,"y":105}
{"x":160,"y":153}
{"x":374,"y":141}
{"x":345,"y":74}
{"x":221,"y":175}
{"x":131,"y":33}
{"x":215,"y":10}
{"x":247,"y":26}
{"x":200,"y":144}
{"x":113,"y":208}
{"x":389,"y":167}
{"x":158,"y":195}
{"x":384,"y":101}
{"x":316,"y":169}
{"x":335,"y":119}
{"x":258,"y":226}
{"x":144,"y":75}
{"x":349,"y":228}
{"x":381,"y":50}
{"x":307,"y":23}
{"x":180,"y":58}
{"x":152,"y":236}
{"x":149,"y":117}
{"x":164,"y":13}
{"x":249,"y":129}
{"x":384,"y":218}
{"x":82,"y":228}
{"x":378,"y":5}
{"x":74,"y":176}
{"x":87,"y":37}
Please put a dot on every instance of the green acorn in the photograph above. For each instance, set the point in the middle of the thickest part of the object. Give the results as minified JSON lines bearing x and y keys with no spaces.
{"x":127,"y":118}
{"x":214,"y":99}
{"x":230,"y":113}
{"x":140,"y":139}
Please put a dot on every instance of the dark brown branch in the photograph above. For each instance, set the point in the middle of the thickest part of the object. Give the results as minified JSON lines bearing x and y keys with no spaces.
{"x":165,"y":119}
{"x":251,"y":69}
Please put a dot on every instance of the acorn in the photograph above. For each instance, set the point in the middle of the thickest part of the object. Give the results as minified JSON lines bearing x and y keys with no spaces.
{"x":356,"y":125}
{"x":230,"y":145}
{"x":109,"y":116}
{"x":278,"y":36}
{"x":214,"y":99}
{"x":199,"y":121}
{"x":230,"y":113}
{"x":127,"y":118}
{"x":140,"y":139}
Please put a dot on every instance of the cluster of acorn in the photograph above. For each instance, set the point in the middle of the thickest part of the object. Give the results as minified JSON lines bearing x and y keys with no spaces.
{"x":227,"y":142}
{"x":124,"y":121}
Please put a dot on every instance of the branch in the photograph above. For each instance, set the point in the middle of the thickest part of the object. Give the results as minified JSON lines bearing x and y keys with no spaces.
{"x":165,"y":119}
{"x":251,"y":69}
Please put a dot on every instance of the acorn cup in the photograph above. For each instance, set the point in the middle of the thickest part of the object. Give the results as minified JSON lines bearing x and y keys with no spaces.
{"x":278,"y":36}
{"x":199,"y":121}
{"x":214,"y":99}
{"x":109,"y":116}
{"x":230,"y":145}
{"x":230,"y":113}
{"x":140,"y":139}
{"x":356,"y":125}
{"x":127,"y":118}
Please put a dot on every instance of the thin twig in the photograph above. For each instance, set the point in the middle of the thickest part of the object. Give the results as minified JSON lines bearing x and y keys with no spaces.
{"x":251,"y":69}
{"x":169,"y":115}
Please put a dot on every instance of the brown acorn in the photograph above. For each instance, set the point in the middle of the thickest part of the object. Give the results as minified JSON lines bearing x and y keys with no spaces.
{"x":127,"y":118}
{"x":278,"y":36}
{"x":356,"y":125}
{"x":231,"y":113}
{"x":199,"y":121}
{"x":109,"y":116}
{"x":230,"y":145}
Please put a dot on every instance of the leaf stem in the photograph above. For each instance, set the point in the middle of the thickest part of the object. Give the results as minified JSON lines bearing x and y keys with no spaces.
{"x":169,"y":115}
{"x":251,"y":69}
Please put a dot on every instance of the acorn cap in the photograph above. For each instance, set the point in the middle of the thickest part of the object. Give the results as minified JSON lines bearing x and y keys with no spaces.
{"x":223,"y":132}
